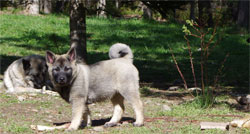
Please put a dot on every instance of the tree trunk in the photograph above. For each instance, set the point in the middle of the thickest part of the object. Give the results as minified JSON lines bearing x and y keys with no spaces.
{"x":117,"y":4}
{"x":78,"y":29}
{"x":33,"y":7}
{"x":243,"y":13}
{"x":101,"y":8}
{"x":41,"y":5}
{"x":147,"y":12}
{"x":192,"y":8}
{"x":205,"y":13}
{"x":47,"y":6}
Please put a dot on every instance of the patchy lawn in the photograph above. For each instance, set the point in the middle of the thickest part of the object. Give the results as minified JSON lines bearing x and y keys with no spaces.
{"x":18,"y":112}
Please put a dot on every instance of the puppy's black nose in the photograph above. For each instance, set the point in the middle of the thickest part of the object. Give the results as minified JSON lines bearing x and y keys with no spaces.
{"x":61,"y":78}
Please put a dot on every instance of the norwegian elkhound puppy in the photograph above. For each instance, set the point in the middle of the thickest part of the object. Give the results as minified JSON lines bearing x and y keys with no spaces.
{"x":80,"y":84}
{"x":25,"y":75}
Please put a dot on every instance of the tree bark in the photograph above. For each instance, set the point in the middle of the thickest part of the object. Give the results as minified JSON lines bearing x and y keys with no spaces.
{"x":147,"y":12}
{"x":205,"y":13}
{"x":243,"y":13}
{"x":47,"y":6}
{"x":101,"y":8}
{"x":192,"y":8}
{"x":41,"y":5}
{"x":117,"y":4}
{"x":33,"y":7}
{"x":78,"y":29}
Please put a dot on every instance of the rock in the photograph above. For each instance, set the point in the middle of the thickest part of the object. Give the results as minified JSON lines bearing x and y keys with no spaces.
{"x":173,"y":88}
{"x":48,"y":120}
{"x":98,"y":129}
{"x":21,"y":98}
{"x":194,"y":89}
{"x":32,"y":94}
{"x":34,"y":110}
{"x":125,"y":123}
{"x":166,"y":108}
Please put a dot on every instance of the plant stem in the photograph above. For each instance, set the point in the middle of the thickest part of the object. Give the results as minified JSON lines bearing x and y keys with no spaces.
{"x":176,"y":64}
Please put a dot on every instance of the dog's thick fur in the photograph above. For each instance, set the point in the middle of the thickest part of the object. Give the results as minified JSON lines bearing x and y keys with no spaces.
{"x":115,"y":79}
{"x":25,"y":75}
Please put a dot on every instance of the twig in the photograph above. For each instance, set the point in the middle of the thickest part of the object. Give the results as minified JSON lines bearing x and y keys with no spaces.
{"x":191,"y":60}
{"x":202,"y":60}
{"x":195,"y":35}
{"x":220,"y":70}
{"x":176,"y":64}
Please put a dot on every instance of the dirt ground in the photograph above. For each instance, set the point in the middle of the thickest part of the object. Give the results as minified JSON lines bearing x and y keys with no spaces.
{"x":20,"y":111}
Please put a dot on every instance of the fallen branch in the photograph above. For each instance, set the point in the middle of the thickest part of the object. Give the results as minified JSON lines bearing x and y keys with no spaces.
{"x":214,"y":125}
{"x":49,"y":128}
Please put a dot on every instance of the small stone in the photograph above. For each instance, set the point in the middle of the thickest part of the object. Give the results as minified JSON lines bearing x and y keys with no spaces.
{"x":166,"y":108}
{"x":173,"y":88}
{"x":147,"y":102}
{"x":33,"y":94}
{"x":194,"y":89}
{"x":125,"y":123}
{"x":98,"y":129}
{"x":21,"y":98}
{"x":50,"y":116}
{"x":48,"y":120}
{"x":34,"y":110}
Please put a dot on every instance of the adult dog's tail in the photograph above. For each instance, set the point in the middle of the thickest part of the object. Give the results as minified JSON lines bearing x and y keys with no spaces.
{"x":120,"y":50}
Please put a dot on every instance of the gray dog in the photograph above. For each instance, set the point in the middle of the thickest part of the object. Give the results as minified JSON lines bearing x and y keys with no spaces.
{"x":79,"y":84}
{"x":25,"y":75}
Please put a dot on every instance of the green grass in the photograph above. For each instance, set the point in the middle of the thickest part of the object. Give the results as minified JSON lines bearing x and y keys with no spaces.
{"x":150,"y":41}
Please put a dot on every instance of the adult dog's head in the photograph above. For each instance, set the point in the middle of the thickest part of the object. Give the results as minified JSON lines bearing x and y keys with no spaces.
{"x":61,"y":68}
{"x":35,"y":69}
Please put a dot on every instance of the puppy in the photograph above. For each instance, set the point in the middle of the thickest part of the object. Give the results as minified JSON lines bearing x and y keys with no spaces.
{"x":116,"y":79}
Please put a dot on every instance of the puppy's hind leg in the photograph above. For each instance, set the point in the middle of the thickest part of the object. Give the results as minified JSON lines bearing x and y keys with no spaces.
{"x":117,"y":101}
{"x":133,"y":97}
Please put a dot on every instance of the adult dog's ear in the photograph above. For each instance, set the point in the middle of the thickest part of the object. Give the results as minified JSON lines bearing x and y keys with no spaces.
{"x":72,"y":54}
{"x":26,"y":64}
{"x":50,"y":57}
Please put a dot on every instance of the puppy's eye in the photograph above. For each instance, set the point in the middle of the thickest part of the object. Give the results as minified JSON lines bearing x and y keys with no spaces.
{"x":67,"y":68}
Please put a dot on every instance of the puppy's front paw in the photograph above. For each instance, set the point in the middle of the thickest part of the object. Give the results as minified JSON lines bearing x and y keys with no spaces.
{"x":138,"y":124}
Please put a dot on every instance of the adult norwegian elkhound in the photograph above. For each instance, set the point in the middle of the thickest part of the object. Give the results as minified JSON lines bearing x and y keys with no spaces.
{"x":80,"y":84}
{"x":25,"y":75}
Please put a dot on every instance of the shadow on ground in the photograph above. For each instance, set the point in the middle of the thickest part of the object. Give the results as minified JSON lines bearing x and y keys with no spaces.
{"x":100,"y":122}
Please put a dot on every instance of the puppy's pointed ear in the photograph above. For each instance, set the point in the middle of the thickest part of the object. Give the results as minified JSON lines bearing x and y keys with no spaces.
{"x":26,"y":64}
{"x":50,"y":57}
{"x":72,"y":54}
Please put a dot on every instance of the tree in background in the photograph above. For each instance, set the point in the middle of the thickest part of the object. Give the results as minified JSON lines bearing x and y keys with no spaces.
{"x":205,"y":13}
{"x":164,"y":7}
{"x":192,"y":9}
{"x":243,"y":13}
{"x":33,"y":7}
{"x":78,"y":29}
{"x":147,"y":12}
{"x":47,"y":9}
{"x":101,"y":6}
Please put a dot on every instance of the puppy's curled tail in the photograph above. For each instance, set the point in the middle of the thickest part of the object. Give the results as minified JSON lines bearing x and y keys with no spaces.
{"x":120,"y":50}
